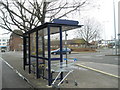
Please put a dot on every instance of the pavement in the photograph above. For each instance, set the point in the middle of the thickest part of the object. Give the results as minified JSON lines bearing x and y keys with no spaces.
{"x":87,"y":74}
{"x":0,"y":74}
{"x":11,"y":78}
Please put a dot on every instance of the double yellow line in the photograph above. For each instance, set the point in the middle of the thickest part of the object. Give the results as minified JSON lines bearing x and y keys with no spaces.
{"x":98,"y":70}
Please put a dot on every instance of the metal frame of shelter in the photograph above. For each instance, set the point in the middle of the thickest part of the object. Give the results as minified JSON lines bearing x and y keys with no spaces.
{"x":49,"y":28}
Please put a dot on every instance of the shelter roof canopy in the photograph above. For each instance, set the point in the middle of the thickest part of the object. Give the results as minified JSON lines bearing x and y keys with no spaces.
{"x":54,"y":27}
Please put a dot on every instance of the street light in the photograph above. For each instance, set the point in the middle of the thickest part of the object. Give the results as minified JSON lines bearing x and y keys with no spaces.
{"x":114,"y":27}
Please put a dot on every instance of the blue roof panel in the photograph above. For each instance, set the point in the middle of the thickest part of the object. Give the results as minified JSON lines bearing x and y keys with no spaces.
{"x":63,"y":21}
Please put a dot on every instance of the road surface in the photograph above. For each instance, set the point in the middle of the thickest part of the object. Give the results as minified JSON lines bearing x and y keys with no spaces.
{"x":97,"y":57}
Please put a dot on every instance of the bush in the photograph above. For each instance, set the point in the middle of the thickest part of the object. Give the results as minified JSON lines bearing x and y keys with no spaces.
{"x":77,"y":49}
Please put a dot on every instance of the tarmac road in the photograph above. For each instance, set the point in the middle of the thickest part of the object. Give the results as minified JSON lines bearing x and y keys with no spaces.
{"x":10,"y":79}
{"x":96,"y":57}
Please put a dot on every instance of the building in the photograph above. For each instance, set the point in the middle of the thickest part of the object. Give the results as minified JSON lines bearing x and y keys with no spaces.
{"x":4,"y":43}
{"x":70,"y":43}
{"x":119,"y":43}
{"x":119,"y":40}
{"x":119,"y":37}
{"x":15,"y":42}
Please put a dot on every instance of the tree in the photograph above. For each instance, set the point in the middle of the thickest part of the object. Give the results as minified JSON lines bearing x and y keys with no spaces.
{"x":27,"y":14}
{"x":90,"y":31}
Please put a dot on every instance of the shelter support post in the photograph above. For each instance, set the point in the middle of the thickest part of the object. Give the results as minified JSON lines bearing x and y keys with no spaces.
{"x":43,"y":46}
{"x":61,"y":54}
{"x":49,"y":58}
{"x":24,"y":52}
{"x":66,"y":46}
{"x":37,"y":65}
{"x":29,"y":53}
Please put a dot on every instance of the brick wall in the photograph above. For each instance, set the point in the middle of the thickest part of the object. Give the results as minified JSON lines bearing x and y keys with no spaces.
{"x":15,"y":43}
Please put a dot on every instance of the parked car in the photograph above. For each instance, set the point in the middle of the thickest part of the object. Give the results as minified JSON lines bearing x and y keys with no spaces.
{"x":2,"y":50}
{"x":64,"y":51}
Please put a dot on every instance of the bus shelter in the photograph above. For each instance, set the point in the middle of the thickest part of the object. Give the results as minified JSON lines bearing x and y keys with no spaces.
{"x":37,"y":48}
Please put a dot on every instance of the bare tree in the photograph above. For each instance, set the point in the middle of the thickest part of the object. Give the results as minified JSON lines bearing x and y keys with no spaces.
{"x":90,"y":31}
{"x":27,"y":14}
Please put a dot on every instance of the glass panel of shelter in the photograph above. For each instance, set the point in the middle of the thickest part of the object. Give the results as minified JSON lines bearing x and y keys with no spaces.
{"x":32,"y":52}
{"x":53,"y":46}
{"x":41,"y":52}
{"x":55,"y":49}
{"x":33,"y":43}
{"x":43,"y":43}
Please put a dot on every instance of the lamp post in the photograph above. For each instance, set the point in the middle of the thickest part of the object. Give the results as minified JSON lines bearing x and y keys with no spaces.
{"x":114,"y":27}
{"x":66,"y":45}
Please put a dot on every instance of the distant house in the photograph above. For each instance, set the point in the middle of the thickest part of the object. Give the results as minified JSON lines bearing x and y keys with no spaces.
{"x":105,"y":43}
{"x":3,"y":42}
{"x":119,"y":39}
{"x":94,"y":44}
{"x":119,"y":36}
{"x":15,"y":42}
{"x":77,"y":42}
{"x":70,"y":43}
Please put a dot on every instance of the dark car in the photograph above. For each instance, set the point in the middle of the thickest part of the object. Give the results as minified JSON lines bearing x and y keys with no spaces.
{"x":64,"y":51}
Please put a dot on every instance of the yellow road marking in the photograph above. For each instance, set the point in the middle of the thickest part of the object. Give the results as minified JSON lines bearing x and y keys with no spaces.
{"x":98,"y":70}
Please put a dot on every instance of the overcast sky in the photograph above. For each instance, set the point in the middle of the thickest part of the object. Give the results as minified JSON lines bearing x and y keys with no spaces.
{"x":104,"y":14}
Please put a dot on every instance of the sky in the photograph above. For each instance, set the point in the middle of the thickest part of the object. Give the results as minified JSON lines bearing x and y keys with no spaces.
{"x":103,"y":13}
